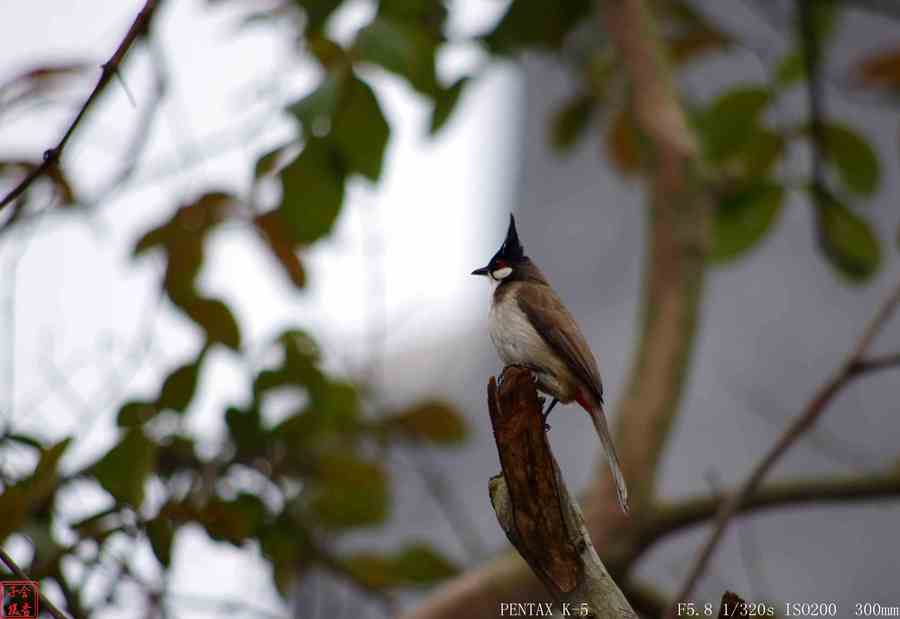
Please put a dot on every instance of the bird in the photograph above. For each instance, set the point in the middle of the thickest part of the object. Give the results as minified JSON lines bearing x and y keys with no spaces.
{"x":529,"y":326}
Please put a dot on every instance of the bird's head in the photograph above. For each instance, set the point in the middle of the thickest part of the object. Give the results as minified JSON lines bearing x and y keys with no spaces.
{"x":508,"y":259}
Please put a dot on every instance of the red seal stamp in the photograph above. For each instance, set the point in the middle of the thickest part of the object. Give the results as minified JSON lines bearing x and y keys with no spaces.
{"x":19,"y":599}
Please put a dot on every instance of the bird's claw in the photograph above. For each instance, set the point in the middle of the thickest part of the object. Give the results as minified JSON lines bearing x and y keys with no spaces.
{"x":546,"y":427}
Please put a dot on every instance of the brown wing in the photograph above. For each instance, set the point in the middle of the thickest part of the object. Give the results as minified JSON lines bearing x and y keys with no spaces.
{"x":555,"y":324}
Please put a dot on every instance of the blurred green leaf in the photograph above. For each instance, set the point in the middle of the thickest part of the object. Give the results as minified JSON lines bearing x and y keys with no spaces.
{"x":19,"y":498}
{"x":281,"y":245}
{"x":176,"y":454}
{"x":161,"y":533}
{"x":401,"y":48}
{"x":854,"y":158}
{"x":418,"y":564}
{"x":317,"y":13}
{"x":215,"y":317}
{"x":124,"y":469}
{"x":743,"y":218}
{"x":285,"y":542}
{"x":245,"y":429}
{"x":687,"y":46}
{"x":233,"y":521}
{"x":135,"y":413}
{"x":432,"y":421}
{"x":313,"y":190}
{"x":790,"y":70}
{"x":360,"y":129}
{"x":689,"y":33}
{"x":761,"y":152}
{"x":731,"y":121}
{"x":444,"y":104}
{"x":316,"y":110}
{"x":182,"y":238}
{"x":268,"y":162}
{"x":529,"y":24}
{"x":350,"y":492}
{"x":570,"y":121}
{"x":847,"y":240}
{"x":179,"y":387}
{"x":427,"y":15}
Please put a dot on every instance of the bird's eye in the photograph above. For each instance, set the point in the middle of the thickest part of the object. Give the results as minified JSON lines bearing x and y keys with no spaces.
{"x":501,"y":273}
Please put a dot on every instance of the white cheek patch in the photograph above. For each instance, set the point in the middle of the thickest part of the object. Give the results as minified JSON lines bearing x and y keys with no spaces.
{"x":501,"y":273}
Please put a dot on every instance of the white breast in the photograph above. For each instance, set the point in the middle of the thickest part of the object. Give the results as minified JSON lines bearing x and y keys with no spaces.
{"x":518,"y":343}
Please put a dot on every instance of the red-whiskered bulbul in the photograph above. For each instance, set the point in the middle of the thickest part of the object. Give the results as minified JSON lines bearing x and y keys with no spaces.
{"x":531,"y":327}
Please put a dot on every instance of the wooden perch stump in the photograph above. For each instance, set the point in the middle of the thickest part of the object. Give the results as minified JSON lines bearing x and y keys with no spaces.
{"x":535,"y":509}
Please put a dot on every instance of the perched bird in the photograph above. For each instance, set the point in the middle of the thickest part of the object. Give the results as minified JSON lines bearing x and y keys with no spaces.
{"x":531,"y":327}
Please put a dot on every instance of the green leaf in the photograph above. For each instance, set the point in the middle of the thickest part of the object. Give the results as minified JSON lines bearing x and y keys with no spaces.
{"x":161,"y":533}
{"x":732,"y":120}
{"x":418,"y":564}
{"x":529,"y":24}
{"x":216,"y":319}
{"x":444,"y":104}
{"x":401,"y":48}
{"x":848,"y":241}
{"x":176,"y":454}
{"x":743,"y":219}
{"x":286,"y":544}
{"x":791,"y":70}
{"x":313,"y":190}
{"x":317,"y":13}
{"x":360,"y":130}
{"x":281,"y":245}
{"x":245,"y":429}
{"x":135,"y":413}
{"x":315,"y":110}
{"x":123,"y":471}
{"x":350,"y":492}
{"x":432,"y":421}
{"x":332,"y":421}
{"x":179,"y":387}
{"x":570,"y":121}
{"x":761,"y":152}
{"x":268,"y":162}
{"x":20,"y":498}
{"x":233,"y":521}
{"x":854,"y":158}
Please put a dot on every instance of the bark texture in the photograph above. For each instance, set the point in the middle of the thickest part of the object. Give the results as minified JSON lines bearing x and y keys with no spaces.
{"x":535,"y":509}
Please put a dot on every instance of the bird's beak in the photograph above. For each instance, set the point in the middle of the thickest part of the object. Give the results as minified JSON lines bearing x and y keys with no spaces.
{"x":481,"y":271}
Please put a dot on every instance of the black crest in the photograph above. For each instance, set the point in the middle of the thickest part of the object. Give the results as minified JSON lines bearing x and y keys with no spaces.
{"x":512,"y":249}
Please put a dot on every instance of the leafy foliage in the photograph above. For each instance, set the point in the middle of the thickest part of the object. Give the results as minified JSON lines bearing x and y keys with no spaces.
{"x":318,"y":473}
{"x":417,"y":564}
{"x":743,"y":217}
{"x":847,"y":239}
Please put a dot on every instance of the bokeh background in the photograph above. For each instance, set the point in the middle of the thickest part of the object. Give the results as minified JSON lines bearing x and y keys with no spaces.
{"x":385,"y":294}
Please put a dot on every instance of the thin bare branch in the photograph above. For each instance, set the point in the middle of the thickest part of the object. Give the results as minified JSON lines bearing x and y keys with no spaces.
{"x":848,"y":371}
{"x":675,"y":518}
{"x":109,"y":69}
{"x":17,"y":571}
{"x":874,"y":364}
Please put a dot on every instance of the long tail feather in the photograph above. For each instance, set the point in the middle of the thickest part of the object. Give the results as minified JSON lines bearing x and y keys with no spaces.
{"x":599,"y":419}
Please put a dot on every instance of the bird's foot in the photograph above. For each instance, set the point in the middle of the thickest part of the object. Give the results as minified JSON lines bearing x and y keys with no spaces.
{"x":546,"y":427}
